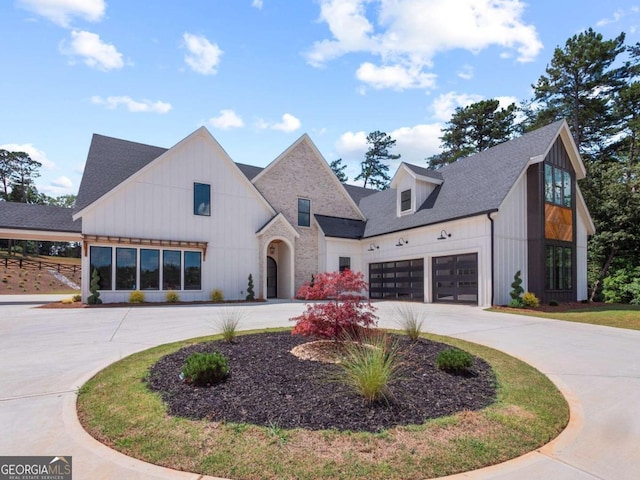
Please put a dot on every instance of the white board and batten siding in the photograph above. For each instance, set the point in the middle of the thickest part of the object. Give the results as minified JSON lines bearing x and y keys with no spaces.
{"x":158,"y":203}
{"x":334,"y":248}
{"x":582,"y":289}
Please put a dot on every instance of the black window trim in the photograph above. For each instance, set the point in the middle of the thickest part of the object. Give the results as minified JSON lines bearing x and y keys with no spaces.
{"x":307,"y":214}
{"x":196,"y":186}
{"x":404,"y":201}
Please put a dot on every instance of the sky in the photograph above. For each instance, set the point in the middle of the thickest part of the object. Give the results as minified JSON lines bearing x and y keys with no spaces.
{"x":258,"y":74}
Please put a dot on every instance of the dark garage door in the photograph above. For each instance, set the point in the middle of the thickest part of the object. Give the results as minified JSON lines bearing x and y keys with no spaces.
{"x":402,"y":280}
{"x":455,"y":278}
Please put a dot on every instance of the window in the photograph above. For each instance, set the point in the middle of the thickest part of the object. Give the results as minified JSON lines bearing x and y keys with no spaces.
{"x":304,"y":212}
{"x":126,"y":268}
{"x":405,"y":201}
{"x":171,"y":270}
{"x":559,"y":275}
{"x":344,"y":263}
{"x":192,"y":271}
{"x":202,"y":199}
{"x":557,"y":186}
{"x":100,"y":260}
{"x":149,"y":269}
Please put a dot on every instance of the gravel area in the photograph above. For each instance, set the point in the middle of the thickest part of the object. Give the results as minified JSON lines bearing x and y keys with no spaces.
{"x":270,"y":386}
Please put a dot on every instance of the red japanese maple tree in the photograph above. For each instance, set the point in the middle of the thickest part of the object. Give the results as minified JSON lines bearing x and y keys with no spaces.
{"x":345,"y":312}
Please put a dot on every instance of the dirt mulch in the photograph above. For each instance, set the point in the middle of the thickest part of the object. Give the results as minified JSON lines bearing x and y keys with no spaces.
{"x":269,"y":386}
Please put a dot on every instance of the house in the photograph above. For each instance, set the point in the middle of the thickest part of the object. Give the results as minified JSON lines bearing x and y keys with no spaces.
{"x":192,"y":220}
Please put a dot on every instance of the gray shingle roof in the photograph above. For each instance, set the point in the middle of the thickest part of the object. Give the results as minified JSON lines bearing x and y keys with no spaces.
{"x":471,"y":186}
{"x":358,"y":193}
{"x":340,"y":227}
{"x":250,"y":171}
{"x":27,"y":216}
{"x":424,"y":171}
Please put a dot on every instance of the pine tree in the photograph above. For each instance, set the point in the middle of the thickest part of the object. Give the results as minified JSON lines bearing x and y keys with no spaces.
{"x":338,"y":168}
{"x":374,"y":170}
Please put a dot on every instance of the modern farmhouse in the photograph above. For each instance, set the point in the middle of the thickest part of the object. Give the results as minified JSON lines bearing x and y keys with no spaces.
{"x":189,"y":219}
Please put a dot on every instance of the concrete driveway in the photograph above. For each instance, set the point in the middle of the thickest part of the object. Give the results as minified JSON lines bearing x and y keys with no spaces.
{"x":47,"y":354}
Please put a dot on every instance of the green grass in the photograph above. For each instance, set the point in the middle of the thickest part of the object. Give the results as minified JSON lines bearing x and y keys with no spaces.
{"x":116,"y":407}
{"x":620,"y":316}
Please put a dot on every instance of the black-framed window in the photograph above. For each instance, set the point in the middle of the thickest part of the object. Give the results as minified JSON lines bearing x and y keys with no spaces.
{"x":202,"y":199}
{"x":559,"y":268}
{"x":557,"y":186}
{"x":405,"y":200}
{"x":304,"y":212}
{"x":149,"y":269}
{"x":344,"y":263}
{"x":126,"y":266}
{"x":100,"y":259}
{"x":171,"y":270}
{"x":192,"y":270}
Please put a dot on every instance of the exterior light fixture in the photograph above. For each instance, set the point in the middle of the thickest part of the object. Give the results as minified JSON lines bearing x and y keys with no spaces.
{"x":401,"y":242}
{"x":444,"y":235}
{"x":272,"y":249}
{"x":372,"y":247}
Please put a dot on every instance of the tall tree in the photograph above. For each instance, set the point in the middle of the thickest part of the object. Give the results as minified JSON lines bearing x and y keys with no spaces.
{"x":373,"y":167}
{"x":25,"y":171}
{"x":338,"y":168}
{"x":7,"y":162}
{"x":473,"y":129}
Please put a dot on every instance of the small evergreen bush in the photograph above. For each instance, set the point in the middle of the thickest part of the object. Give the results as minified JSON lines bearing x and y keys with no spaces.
{"x":516,"y":287}
{"x":172,"y":296}
{"x":94,"y":286}
{"x":530,"y":300}
{"x":251,"y":295}
{"x":217,"y":296}
{"x":136,"y":297}
{"x":516,"y":303}
{"x":553,"y":303}
{"x":453,"y":360}
{"x":205,"y":369}
{"x":77,"y":298}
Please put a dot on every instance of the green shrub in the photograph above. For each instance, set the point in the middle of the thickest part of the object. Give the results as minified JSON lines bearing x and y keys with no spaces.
{"x":136,"y":297}
{"x":250,"y":293}
{"x":454,"y":360}
{"x":205,"y":369}
{"x":516,"y":287}
{"x":529,"y":299}
{"x":411,"y":319}
{"x":172,"y":296}
{"x":77,"y":298}
{"x":217,"y":296}
{"x":516,"y":303}
{"x":622,"y":286}
{"x":553,"y":303}
{"x":94,"y":286}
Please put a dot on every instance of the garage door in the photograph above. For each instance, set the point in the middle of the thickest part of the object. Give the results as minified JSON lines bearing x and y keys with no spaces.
{"x":401,"y":280}
{"x":455,"y":278}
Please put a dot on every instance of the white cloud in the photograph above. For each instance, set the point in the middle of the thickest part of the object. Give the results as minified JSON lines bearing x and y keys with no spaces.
{"x":257,"y":4}
{"x":616,"y":17}
{"x":445,"y":105}
{"x":203,"y":56}
{"x":505,"y":101}
{"x":62,"y":182}
{"x":227,"y":119}
{"x":132,"y":105}
{"x":95,"y":52}
{"x":416,"y":143}
{"x":288,"y":124}
{"x":409,"y":33}
{"x":58,"y":186}
{"x":33,"y":152}
{"x":466,"y":72}
{"x":397,"y":77}
{"x":62,"y":11}
{"x":352,"y":142}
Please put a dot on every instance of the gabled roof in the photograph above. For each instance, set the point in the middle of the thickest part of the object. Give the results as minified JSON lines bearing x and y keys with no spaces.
{"x":28,"y":216}
{"x":420,"y":173}
{"x":471,"y":186}
{"x":358,"y":193}
{"x":340,"y":227}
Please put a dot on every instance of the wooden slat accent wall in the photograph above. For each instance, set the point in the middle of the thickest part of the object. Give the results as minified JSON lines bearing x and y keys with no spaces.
{"x":558,"y":223}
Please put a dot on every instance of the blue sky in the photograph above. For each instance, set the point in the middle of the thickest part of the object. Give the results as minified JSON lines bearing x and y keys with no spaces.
{"x":260,"y":73}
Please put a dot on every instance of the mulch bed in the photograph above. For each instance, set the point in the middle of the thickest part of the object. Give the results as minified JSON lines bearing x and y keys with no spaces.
{"x":269,"y":386}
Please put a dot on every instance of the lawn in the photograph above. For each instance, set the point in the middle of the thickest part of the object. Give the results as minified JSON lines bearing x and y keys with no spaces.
{"x":608,"y":315}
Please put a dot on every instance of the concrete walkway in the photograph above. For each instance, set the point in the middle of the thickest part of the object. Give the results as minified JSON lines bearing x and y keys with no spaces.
{"x":47,"y":354}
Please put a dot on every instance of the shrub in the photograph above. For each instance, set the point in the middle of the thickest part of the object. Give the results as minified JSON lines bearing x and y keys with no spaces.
{"x":66,"y":301}
{"x":411,"y":319}
{"x":94,"y":285}
{"x":516,"y":303}
{"x":228,"y":321}
{"x":530,"y":300}
{"x":553,"y":303}
{"x":136,"y":297}
{"x":172,"y":296}
{"x":217,"y":296}
{"x":622,"y":286}
{"x":77,"y":298}
{"x":345,"y":312}
{"x":369,"y":366}
{"x":251,"y":295}
{"x":454,"y":360}
{"x":516,"y":287}
{"x":205,"y":369}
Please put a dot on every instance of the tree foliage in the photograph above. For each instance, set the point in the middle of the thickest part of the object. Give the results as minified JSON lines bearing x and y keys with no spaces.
{"x":473,"y":129}
{"x":374,"y":170}
{"x":338,"y":168}
{"x":345,"y":312}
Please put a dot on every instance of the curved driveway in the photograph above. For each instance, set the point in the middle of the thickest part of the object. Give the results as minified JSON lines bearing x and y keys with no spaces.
{"x":47,"y":354}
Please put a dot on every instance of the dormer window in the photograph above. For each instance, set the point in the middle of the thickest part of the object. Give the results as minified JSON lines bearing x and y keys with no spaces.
{"x":405,"y":200}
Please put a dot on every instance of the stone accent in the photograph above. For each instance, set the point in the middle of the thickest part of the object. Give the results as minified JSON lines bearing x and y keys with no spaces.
{"x":278,"y":230}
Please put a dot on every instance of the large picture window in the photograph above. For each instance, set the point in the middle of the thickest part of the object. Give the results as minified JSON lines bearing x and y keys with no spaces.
{"x":149,"y":269}
{"x":126,"y":268}
{"x":559,"y":271}
{"x":171,"y":270}
{"x":304,"y":212}
{"x":100,"y":260}
{"x":557,"y":186}
{"x":202,"y":199}
{"x":192,"y":271}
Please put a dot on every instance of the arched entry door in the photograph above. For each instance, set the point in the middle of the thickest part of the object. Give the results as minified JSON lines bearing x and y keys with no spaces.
{"x":272,"y":278}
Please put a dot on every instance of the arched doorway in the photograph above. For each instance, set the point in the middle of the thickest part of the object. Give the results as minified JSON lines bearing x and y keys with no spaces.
{"x":272,"y":278}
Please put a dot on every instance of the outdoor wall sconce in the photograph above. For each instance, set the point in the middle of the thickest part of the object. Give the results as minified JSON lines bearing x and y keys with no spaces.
{"x":372,"y":247}
{"x":401,"y":242}
{"x":272,"y":249}
{"x":444,"y":235}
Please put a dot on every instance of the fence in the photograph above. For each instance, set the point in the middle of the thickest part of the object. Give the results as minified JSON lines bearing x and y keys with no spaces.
{"x":39,"y":264}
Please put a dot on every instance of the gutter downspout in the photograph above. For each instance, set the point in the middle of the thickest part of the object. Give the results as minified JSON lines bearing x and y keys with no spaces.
{"x":492,"y":264}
